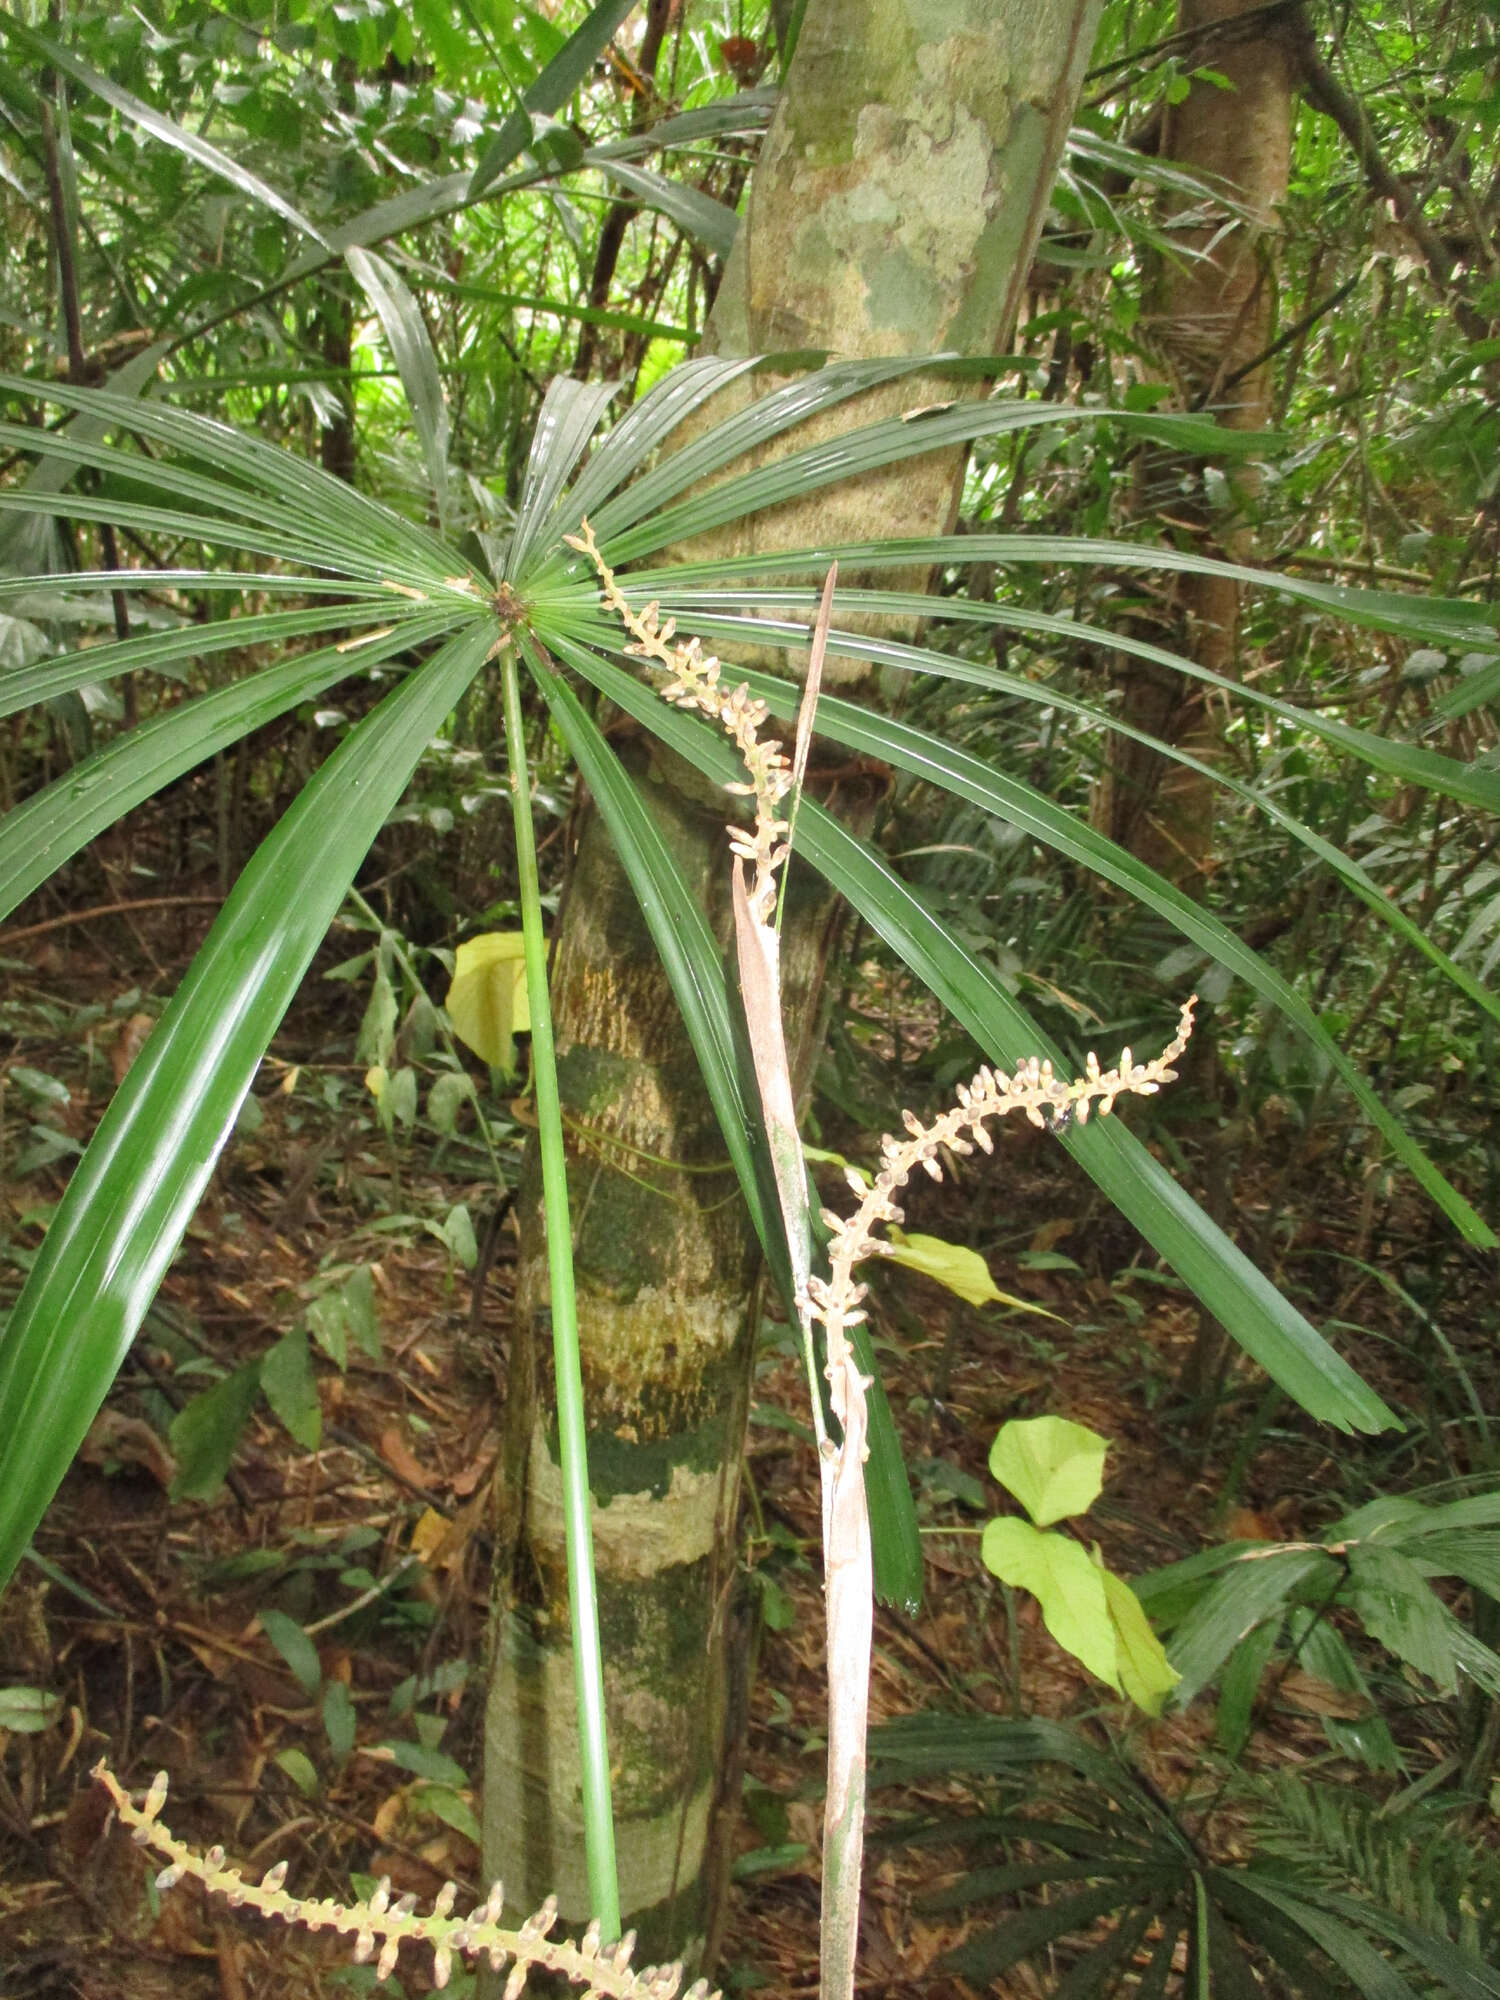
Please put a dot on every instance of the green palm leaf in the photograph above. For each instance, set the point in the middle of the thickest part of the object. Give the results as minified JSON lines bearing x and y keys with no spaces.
{"x":791,"y":634}
{"x":1265,"y":1324}
{"x":37,"y":836}
{"x":135,"y":1189}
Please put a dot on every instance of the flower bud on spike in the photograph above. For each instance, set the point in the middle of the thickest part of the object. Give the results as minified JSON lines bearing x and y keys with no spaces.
{"x":156,"y":1798}
{"x":274,"y":1877}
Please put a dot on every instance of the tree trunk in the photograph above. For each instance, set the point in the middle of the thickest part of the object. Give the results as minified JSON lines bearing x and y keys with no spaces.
{"x":1208,"y":320}
{"x":894,"y":210}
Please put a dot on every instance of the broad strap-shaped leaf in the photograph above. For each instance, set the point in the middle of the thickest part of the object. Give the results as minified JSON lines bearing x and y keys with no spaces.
{"x":38,"y":835}
{"x":623,"y":449}
{"x":569,"y":414}
{"x":747,"y":430}
{"x":170,"y":652}
{"x":1023,"y":806}
{"x":134,"y":1191}
{"x":872,"y":447}
{"x":1475,"y":783}
{"x":789,"y":634}
{"x":696,"y":214}
{"x":416,"y":362}
{"x":52,"y":473}
{"x":264,"y":482}
{"x":1456,"y":619}
{"x":550,"y":90}
{"x":1270,"y":1329}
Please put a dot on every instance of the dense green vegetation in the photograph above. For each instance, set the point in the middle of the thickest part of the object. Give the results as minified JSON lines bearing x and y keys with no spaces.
{"x":324,"y":332}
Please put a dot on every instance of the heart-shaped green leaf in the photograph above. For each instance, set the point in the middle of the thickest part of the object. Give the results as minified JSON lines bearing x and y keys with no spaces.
{"x":1053,"y":1467}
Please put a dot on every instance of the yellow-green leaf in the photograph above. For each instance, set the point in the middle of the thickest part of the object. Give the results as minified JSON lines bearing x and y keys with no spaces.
{"x":1146,"y":1674}
{"x":1066,"y":1583}
{"x":487,"y":1000}
{"x":1053,"y":1467}
{"x":961,"y":1270}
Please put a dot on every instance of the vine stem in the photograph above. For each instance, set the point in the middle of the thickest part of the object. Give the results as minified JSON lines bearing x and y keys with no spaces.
{"x":583,"y":1603}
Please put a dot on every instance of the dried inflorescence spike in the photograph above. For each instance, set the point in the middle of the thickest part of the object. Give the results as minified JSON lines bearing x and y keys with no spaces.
{"x":379,"y":1928}
{"x":695,"y":683}
{"x":1035,"y":1089}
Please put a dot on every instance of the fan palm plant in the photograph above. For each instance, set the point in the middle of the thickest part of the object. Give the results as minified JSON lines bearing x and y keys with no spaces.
{"x":387,"y":600}
{"x":393,"y":601}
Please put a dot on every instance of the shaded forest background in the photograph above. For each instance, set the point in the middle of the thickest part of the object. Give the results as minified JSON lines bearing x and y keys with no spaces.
{"x":269,"y":1570}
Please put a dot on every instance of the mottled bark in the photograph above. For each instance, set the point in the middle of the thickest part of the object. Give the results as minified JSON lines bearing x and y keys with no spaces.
{"x":1206,"y":321}
{"x":894,"y":210}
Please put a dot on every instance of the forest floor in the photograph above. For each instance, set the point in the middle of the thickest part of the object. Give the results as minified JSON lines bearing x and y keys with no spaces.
{"x":143,"y":1614}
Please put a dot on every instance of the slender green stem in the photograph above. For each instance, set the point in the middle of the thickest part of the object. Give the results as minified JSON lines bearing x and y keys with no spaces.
{"x":588,"y":1666}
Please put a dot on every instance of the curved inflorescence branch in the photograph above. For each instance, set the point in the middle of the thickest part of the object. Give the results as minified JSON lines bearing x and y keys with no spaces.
{"x":695,"y":683}
{"x":1048,"y":1101}
{"x":383,"y":1926}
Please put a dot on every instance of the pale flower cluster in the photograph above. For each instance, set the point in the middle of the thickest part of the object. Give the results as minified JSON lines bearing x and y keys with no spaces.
{"x":380,"y":1924}
{"x":1046,"y":1098}
{"x":695,"y":683}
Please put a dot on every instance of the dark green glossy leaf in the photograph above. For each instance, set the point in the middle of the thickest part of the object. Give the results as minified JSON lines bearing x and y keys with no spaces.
{"x":37,"y":836}
{"x":135,"y":1189}
{"x":1265,"y":1324}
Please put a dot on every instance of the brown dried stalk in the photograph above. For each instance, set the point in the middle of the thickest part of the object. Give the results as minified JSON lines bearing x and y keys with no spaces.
{"x":603,"y":1970}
